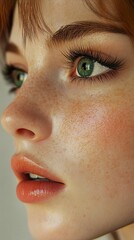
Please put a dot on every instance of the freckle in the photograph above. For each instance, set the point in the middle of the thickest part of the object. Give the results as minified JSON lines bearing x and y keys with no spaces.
{"x":88,"y":166}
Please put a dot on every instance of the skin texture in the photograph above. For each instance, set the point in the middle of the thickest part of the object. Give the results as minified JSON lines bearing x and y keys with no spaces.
{"x":84,"y":131}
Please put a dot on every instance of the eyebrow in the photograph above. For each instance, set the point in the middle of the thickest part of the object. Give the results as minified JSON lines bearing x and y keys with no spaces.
{"x":82,"y":29}
{"x":74,"y":31}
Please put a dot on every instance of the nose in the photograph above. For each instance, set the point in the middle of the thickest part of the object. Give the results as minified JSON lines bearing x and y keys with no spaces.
{"x":24,"y":120}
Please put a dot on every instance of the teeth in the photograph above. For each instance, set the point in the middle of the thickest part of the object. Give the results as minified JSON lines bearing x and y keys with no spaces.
{"x":35,"y":177}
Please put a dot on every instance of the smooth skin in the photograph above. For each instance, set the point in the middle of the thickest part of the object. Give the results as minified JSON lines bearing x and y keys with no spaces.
{"x":84,"y":131}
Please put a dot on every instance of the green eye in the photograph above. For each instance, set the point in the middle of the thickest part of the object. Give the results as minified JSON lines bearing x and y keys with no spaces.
{"x":18,"y":77}
{"x":85,"y":67}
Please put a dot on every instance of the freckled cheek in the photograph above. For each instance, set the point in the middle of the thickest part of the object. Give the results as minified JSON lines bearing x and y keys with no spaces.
{"x":101,"y":142}
{"x":102,"y":126}
{"x":101,"y":156}
{"x":115,"y":129}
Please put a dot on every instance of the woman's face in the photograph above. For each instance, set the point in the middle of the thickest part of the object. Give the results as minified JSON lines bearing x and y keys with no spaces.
{"x":74,"y":116}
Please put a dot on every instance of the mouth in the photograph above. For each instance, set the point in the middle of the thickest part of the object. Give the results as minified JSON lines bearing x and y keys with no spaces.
{"x":35,"y":182}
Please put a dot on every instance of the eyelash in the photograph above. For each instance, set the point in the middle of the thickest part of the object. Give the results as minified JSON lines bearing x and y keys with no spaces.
{"x":112,"y":63}
{"x":71,"y":56}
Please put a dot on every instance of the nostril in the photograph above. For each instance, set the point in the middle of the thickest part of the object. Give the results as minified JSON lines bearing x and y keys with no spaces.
{"x":25,"y":133}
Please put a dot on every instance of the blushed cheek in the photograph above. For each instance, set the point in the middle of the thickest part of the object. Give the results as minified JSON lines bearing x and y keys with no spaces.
{"x":104,"y":126}
{"x":114,"y":145}
{"x":114,"y":127}
{"x":95,"y":129}
{"x":103,"y":139}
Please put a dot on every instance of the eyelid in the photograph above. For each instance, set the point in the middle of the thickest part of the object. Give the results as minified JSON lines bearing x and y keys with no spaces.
{"x":17,"y":65}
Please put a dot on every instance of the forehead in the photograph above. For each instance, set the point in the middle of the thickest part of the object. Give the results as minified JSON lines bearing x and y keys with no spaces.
{"x":66,"y":11}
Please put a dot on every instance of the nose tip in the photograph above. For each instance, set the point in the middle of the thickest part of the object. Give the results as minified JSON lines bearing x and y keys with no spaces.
{"x":29,"y":125}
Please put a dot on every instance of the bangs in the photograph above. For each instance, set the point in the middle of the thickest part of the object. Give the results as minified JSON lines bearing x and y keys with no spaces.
{"x":5,"y":11}
{"x":31,"y":18}
{"x":123,"y":13}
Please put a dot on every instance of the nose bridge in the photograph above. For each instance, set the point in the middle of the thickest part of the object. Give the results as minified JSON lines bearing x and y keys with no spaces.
{"x":40,"y":91}
{"x":28,"y":115}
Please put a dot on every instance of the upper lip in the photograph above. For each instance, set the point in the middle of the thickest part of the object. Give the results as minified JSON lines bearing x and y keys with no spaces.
{"x":22,"y":164}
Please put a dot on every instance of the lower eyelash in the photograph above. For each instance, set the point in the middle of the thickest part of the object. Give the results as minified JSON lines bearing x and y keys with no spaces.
{"x":99,"y":78}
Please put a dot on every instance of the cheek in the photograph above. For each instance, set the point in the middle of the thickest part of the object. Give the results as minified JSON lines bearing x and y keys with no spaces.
{"x":102,"y":124}
{"x":116,"y":129}
{"x":100,"y":143}
{"x":116,"y":143}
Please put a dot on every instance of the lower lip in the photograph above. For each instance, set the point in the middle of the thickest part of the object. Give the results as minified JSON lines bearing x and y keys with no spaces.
{"x":30,"y":191}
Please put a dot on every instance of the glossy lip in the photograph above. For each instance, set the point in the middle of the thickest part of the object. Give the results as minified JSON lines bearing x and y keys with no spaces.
{"x":30,"y":191}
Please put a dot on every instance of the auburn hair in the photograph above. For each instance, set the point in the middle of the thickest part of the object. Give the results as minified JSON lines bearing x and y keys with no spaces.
{"x":33,"y":21}
{"x":124,"y":12}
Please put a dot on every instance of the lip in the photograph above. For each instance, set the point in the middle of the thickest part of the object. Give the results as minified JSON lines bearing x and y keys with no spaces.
{"x":31,"y":191}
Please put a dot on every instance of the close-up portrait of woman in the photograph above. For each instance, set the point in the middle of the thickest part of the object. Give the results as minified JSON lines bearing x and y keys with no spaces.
{"x":70,"y":67}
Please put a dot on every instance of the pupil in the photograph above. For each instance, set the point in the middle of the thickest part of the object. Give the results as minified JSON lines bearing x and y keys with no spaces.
{"x":86,"y":66}
{"x":18,"y":77}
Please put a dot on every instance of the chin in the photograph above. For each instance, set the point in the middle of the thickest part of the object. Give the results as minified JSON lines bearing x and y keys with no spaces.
{"x":55,"y":220}
{"x":54,"y":227}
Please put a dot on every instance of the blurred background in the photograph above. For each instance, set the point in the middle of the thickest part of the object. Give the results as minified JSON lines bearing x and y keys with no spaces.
{"x":13,"y":219}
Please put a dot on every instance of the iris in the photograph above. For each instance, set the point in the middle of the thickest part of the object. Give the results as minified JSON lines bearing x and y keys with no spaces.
{"x":19,"y":77}
{"x":85,"y":67}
